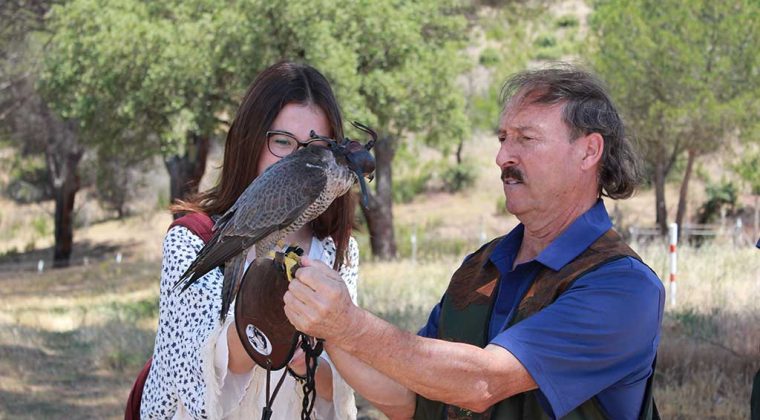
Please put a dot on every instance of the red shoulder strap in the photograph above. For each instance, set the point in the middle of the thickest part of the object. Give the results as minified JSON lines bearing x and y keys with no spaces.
{"x":198,"y":223}
{"x":132,"y":410}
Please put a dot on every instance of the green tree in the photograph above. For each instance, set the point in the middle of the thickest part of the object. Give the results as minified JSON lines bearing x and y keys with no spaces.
{"x":685,"y":74}
{"x":142,"y":78}
{"x":162,"y":77}
{"x":748,"y":168}
{"x":394,"y":65}
{"x":29,"y":123}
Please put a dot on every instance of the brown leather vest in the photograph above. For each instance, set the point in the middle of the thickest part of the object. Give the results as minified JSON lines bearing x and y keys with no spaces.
{"x":466,"y":312}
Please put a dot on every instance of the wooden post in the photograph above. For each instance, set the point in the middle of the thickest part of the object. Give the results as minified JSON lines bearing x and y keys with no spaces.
{"x":413,"y":239}
{"x":673,"y":235}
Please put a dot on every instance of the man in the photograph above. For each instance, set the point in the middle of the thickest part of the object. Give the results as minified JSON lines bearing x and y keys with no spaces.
{"x":558,"y":318}
{"x":754,"y":400}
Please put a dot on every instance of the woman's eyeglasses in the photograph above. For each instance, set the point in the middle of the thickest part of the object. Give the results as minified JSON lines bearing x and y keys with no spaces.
{"x":282,"y":143}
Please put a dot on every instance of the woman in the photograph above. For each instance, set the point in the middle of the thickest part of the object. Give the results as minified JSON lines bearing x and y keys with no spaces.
{"x":200,"y":368}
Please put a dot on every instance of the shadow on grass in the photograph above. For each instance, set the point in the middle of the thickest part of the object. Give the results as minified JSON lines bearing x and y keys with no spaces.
{"x":705,"y":364}
{"x":15,"y":260}
{"x":84,"y":373}
{"x":36,"y":406}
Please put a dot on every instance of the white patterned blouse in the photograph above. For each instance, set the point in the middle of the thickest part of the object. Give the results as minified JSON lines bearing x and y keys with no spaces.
{"x":189,"y":378}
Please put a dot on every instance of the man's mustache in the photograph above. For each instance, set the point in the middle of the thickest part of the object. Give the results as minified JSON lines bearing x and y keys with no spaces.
{"x":511,"y":172}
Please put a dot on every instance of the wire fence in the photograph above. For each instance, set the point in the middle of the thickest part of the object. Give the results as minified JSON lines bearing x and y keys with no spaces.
{"x":42,"y":265}
{"x":695,"y":234}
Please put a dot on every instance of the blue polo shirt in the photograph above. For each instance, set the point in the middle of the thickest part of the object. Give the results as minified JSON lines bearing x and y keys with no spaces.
{"x":599,"y":338}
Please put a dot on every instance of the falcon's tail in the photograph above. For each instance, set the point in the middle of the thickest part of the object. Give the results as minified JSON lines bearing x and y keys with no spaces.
{"x":233,"y":276}
{"x":212,"y":255}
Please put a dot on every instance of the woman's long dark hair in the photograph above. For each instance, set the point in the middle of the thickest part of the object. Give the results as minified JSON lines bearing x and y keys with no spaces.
{"x":277,"y":86}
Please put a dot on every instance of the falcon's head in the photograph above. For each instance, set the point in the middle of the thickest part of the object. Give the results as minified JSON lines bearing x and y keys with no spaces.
{"x":355,"y":155}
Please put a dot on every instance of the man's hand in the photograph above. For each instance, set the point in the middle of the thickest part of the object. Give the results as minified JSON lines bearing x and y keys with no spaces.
{"x":317,"y":301}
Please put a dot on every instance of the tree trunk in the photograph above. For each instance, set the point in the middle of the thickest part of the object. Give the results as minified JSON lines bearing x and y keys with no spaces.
{"x":659,"y":189}
{"x":185,"y":172}
{"x":63,"y":154}
{"x":684,"y":192}
{"x":37,"y":130}
{"x":379,"y":210}
{"x":757,"y":218}
{"x":64,"y":220}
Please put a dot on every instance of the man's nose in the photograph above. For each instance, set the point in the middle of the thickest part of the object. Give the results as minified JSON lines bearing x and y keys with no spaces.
{"x":506,"y":155}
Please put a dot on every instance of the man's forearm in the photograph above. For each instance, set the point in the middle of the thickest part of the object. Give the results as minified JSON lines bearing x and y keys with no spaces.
{"x":454,"y":373}
{"x":393,"y":399}
{"x":468,"y":376}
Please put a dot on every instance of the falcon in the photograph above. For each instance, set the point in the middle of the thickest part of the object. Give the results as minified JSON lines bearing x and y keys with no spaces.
{"x":290,"y":193}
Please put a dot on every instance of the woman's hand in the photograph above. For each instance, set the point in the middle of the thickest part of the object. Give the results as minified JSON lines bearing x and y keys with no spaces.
{"x":323,"y":379}
{"x":298,"y":362}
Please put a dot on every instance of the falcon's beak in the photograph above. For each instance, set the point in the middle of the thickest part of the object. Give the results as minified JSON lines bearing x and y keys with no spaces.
{"x":365,"y":194}
{"x":361,"y":161}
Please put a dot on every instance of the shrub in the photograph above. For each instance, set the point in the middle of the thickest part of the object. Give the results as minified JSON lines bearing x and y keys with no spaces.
{"x":546,"y":41}
{"x":404,"y":190}
{"x":567,"y":21}
{"x":28,"y":181}
{"x":459,"y":177}
{"x":41,"y":225}
{"x":720,"y":195}
{"x":162,"y":200}
{"x":489,"y":57}
{"x":501,"y":205}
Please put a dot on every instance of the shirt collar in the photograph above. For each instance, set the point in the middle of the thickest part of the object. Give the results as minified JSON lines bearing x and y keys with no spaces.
{"x":505,"y":252}
{"x":577,"y":237}
{"x":569,"y":244}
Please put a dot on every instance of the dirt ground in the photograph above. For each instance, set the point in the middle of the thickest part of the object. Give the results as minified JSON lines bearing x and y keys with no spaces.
{"x":73,"y":340}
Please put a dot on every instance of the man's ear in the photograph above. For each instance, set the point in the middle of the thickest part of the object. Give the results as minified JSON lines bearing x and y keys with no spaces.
{"x":592,"y":147}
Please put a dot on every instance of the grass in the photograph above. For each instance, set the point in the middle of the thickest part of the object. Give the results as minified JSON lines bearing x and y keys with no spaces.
{"x":72,"y":340}
{"x":711,"y":344}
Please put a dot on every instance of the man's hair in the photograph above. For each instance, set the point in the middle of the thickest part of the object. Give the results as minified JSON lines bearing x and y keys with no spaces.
{"x":587,"y":109}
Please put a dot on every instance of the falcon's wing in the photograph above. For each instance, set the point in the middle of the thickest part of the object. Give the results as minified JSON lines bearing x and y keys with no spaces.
{"x":287,"y":189}
{"x":271,"y":202}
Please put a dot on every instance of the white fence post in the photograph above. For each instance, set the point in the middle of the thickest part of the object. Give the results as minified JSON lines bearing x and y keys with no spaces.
{"x":40,"y":266}
{"x":118,"y":258}
{"x":738,"y":232}
{"x":634,"y":231}
{"x":673,"y":235}
{"x":413,"y":239}
{"x":757,"y":218}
